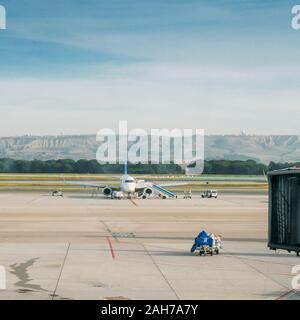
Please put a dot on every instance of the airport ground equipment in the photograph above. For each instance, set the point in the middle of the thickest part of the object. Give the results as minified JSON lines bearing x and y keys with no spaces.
{"x":162,"y":192}
{"x":187,"y":194}
{"x":117,"y":195}
{"x":57,"y":193}
{"x":210,"y":194}
{"x":284,"y":210}
{"x":207,"y":243}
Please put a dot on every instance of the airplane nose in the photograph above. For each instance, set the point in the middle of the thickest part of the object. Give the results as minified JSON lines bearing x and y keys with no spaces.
{"x":129,"y":189}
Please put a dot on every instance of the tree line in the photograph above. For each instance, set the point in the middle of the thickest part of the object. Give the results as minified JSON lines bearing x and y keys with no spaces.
{"x":82,"y":166}
{"x":237,"y":167}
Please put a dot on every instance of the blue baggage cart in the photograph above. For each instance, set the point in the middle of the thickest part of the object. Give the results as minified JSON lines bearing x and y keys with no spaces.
{"x":206,"y":243}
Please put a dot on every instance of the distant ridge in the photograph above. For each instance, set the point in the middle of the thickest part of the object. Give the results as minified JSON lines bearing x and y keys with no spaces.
{"x":262,"y":148}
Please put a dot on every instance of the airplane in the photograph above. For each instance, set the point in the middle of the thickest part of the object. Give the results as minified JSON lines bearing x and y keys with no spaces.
{"x":130,"y":187}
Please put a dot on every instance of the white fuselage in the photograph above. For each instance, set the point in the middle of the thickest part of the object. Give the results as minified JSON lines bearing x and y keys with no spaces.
{"x":128,"y":184}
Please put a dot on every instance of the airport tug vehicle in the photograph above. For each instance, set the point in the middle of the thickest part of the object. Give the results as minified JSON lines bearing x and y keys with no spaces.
{"x":207,"y":244}
{"x":57,"y":193}
{"x":210,"y":194}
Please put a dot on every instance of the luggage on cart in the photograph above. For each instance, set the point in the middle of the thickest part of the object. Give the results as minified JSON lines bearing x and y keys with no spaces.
{"x":207,"y":243}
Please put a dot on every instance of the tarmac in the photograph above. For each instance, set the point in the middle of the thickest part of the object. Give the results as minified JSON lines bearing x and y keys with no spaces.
{"x":83,"y":247}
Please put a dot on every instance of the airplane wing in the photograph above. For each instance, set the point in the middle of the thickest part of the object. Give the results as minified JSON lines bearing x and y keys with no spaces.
{"x":144,"y":184}
{"x":174,"y":184}
{"x":88,"y":185}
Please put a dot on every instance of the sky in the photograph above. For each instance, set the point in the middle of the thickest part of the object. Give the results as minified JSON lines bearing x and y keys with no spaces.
{"x":75,"y":67}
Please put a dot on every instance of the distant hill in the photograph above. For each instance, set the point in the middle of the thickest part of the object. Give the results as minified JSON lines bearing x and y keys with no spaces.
{"x":231,"y":147}
{"x":261,"y":148}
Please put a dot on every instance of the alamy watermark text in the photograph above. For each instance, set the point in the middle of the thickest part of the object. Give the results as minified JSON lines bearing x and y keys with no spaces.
{"x":160,"y":146}
{"x":295,"y":23}
{"x":2,"y":18}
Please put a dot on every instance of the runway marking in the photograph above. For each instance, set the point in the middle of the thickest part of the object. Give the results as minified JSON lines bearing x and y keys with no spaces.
{"x":111,"y":248}
{"x":286,"y":294}
{"x":257,"y":270}
{"x":106,"y":226}
{"x":109,"y":231}
{"x":158,"y":268}
{"x":133,"y":202}
{"x":61,"y":270}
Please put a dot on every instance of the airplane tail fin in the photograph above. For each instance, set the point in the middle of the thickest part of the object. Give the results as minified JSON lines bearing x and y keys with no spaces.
{"x":125,"y":168}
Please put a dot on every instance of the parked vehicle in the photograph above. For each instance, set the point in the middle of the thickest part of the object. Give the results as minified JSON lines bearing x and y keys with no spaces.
{"x":117,"y":195}
{"x":210,"y":194}
{"x":57,"y":193}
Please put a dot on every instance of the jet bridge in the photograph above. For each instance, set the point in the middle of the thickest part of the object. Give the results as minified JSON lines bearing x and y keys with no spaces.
{"x":284,"y":209}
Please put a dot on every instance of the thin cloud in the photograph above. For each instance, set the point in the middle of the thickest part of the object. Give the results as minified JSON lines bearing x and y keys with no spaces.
{"x":72,"y":66}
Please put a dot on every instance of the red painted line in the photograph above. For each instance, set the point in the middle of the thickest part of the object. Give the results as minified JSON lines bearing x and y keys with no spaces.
{"x":111,"y":248}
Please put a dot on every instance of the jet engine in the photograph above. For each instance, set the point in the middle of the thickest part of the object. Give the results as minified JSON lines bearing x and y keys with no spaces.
{"x":107,"y":191}
{"x":147,"y":193}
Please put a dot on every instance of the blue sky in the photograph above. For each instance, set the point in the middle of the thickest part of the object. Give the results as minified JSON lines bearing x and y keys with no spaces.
{"x":78,"y":66}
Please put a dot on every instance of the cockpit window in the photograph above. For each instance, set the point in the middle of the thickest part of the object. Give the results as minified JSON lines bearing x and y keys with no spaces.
{"x":129,"y":181}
